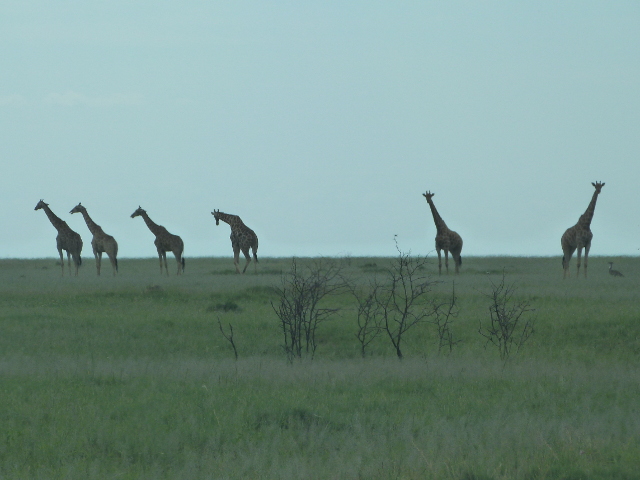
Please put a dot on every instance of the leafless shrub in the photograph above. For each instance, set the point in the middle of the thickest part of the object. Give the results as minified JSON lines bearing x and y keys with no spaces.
{"x":445,"y":313}
{"x":229,"y":337}
{"x":302,"y":305}
{"x":368,"y":314}
{"x":511,"y":323}
{"x":402,"y":301}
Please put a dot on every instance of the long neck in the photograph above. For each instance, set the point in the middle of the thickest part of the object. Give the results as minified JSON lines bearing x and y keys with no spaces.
{"x":587,"y":216}
{"x":55,"y":221}
{"x":437,"y":219}
{"x":93,"y":226}
{"x":155,"y":228}
{"x":232,"y":220}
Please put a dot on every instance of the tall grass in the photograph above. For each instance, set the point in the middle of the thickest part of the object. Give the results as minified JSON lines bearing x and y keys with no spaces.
{"x":129,"y":377}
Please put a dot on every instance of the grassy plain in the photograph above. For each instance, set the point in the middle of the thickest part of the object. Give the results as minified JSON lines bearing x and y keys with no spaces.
{"x":130,"y":377}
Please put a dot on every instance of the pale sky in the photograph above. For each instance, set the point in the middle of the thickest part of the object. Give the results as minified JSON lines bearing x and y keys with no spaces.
{"x":321,"y":123}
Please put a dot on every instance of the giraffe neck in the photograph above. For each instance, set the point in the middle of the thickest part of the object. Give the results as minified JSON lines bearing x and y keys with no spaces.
{"x":437,"y":219}
{"x":93,"y":226}
{"x":233,"y":220}
{"x":58,"y":223}
{"x":154,"y":227}
{"x":587,"y":216}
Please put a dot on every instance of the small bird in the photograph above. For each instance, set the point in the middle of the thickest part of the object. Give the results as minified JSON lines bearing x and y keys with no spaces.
{"x":613,"y":272}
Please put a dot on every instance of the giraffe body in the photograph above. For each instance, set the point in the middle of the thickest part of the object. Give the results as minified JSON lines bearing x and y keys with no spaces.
{"x":242,"y":239}
{"x":446,"y":239}
{"x":101,"y":242}
{"x":164,"y":242}
{"x":67,"y":239}
{"x":579,"y":236}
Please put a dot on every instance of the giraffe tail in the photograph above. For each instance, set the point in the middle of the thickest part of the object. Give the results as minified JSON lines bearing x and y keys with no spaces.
{"x":182,"y":262}
{"x":115,"y":262}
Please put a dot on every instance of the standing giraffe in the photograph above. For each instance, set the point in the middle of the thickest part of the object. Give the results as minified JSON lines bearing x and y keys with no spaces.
{"x":579,"y":236}
{"x":164,"y":242}
{"x":67,"y":239}
{"x":446,"y":239}
{"x":242,"y":238}
{"x":101,"y":242}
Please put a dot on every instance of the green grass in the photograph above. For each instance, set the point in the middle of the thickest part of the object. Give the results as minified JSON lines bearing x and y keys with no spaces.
{"x":130,"y":377}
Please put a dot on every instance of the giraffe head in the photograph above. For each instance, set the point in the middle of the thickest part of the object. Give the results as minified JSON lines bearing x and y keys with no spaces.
{"x":216,"y":215}
{"x":78,"y":209}
{"x":138,"y":212}
{"x":598,"y":186}
{"x":41,"y":204}
{"x":428,"y":195}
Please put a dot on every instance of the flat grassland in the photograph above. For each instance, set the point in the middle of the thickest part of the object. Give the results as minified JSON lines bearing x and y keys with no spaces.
{"x":130,"y":377}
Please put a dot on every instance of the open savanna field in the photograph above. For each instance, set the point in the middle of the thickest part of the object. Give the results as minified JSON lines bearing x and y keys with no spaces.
{"x":131,"y":377}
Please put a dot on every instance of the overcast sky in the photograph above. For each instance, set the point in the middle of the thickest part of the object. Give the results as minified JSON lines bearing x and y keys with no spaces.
{"x":321,"y":123}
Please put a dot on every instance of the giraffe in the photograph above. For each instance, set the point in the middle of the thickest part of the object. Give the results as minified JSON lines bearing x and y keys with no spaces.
{"x":613,"y":272}
{"x":164,"y":242}
{"x":446,"y":239}
{"x":579,"y":236}
{"x":67,"y":239}
{"x":101,"y":242}
{"x":242,"y":238}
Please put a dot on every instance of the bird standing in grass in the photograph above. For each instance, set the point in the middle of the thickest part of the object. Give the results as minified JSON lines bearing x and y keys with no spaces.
{"x":613,"y":272}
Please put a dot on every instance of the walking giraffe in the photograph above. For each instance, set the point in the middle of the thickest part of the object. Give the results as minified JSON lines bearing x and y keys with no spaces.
{"x":446,"y":239}
{"x":579,"y":236}
{"x":101,"y":242}
{"x":242,"y":238}
{"x":164,"y":242}
{"x":67,"y":239}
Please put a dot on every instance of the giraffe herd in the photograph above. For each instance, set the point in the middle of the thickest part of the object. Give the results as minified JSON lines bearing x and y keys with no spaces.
{"x":245,"y":240}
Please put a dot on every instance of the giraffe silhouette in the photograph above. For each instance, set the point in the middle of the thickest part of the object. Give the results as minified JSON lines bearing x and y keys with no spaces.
{"x":242,"y":238}
{"x":164,"y":242}
{"x":101,"y":242}
{"x":446,"y":239}
{"x":67,"y":239}
{"x":579,"y":236}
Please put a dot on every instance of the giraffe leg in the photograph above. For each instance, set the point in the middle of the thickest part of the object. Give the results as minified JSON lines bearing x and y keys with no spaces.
{"x":166,"y":268}
{"x":245,"y":251}
{"x":98,"y":256}
{"x":255,"y":261}
{"x":114,"y":263}
{"x":160,"y":258}
{"x":579,"y":258}
{"x":236,"y":257}
{"x":446,"y":260}
{"x":69,"y":262}
{"x":439,"y":262}
{"x":61,"y":260}
{"x":179,"y":260}
{"x":586,"y":258}
{"x":566,"y":258}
